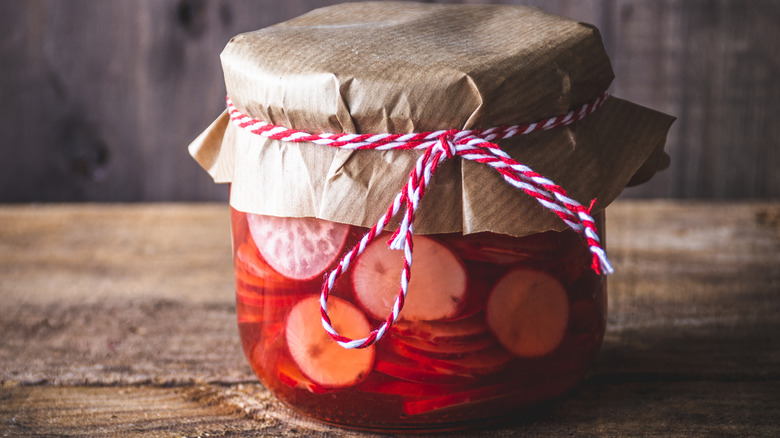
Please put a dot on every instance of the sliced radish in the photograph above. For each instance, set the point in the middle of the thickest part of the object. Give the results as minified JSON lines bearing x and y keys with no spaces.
{"x":273,"y":336}
{"x":247,"y":258}
{"x":258,"y":340}
{"x":317,"y":355}
{"x":291,"y":376}
{"x":462,"y":331}
{"x":262,"y":307}
{"x":413,"y":347}
{"x":479,"y":395}
{"x":252,"y":271}
{"x":488,"y":360}
{"x":528,"y":312}
{"x":504,"y":250}
{"x":437,"y":288}
{"x":298,"y":248}
{"x":281,"y":302}
{"x":476,"y":295}
{"x":384,"y":384}
{"x":401,"y":367}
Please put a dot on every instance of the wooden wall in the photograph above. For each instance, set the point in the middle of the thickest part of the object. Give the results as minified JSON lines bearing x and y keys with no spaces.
{"x":99,"y":99}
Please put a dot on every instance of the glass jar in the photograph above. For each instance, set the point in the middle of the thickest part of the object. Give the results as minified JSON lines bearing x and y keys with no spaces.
{"x":491,"y":324}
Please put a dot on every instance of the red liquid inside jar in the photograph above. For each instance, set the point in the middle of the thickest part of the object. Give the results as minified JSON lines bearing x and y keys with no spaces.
{"x":492,"y":323}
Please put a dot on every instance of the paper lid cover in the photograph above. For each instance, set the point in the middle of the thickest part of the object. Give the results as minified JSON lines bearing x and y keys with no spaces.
{"x":390,"y":67}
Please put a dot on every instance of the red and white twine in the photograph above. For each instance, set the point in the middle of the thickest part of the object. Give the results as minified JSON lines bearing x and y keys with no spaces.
{"x":475,"y":145}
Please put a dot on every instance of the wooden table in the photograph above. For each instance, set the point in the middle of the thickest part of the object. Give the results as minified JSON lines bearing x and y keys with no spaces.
{"x":118,"y":320}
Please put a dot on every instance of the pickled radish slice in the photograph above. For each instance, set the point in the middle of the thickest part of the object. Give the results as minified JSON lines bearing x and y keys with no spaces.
{"x":247,"y":259}
{"x":291,"y":376}
{"x":437,"y":288}
{"x":280,"y":302}
{"x":298,"y":248}
{"x":476,"y":296}
{"x":414,"y":347}
{"x":528,"y":312}
{"x":404,"y":368}
{"x":317,"y":355}
{"x":489,"y":247}
{"x":478,"y":395}
{"x":467,"y":330}
{"x":488,"y":360}
{"x":263,"y":307}
{"x":384,"y":384}
{"x":253,"y":273}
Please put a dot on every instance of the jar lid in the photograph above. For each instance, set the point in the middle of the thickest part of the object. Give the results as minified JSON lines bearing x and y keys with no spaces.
{"x":399,"y":67}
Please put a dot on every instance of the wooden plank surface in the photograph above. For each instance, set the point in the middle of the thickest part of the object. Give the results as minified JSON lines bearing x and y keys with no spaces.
{"x":118,"y":320}
{"x":118,"y":89}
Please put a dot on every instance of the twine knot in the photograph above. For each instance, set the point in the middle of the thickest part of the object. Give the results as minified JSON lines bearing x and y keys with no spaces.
{"x":446,"y":143}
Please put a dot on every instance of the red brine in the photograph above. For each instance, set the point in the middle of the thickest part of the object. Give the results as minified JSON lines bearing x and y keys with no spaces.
{"x":491,"y":324}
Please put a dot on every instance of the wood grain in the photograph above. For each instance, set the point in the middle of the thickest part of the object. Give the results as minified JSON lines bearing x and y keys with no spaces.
{"x":100,"y":99}
{"x":119,"y":320}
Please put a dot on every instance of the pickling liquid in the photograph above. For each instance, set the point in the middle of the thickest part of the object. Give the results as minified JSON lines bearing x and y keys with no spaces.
{"x":492,"y":324}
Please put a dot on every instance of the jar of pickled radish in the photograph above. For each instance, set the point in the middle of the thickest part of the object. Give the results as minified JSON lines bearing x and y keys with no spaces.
{"x":417,"y":204}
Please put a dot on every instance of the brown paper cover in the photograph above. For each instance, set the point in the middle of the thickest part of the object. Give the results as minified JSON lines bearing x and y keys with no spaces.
{"x":406,"y":67}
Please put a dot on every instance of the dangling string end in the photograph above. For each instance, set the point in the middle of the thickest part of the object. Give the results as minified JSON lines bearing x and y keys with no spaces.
{"x":590,"y":207}
{"x":601,"y":263}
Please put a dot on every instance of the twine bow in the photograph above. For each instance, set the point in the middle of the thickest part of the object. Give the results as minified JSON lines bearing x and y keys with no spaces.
{"x":474,"y":145}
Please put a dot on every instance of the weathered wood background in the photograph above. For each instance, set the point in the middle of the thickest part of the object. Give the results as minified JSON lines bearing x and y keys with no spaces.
{"x":100,"y":98}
